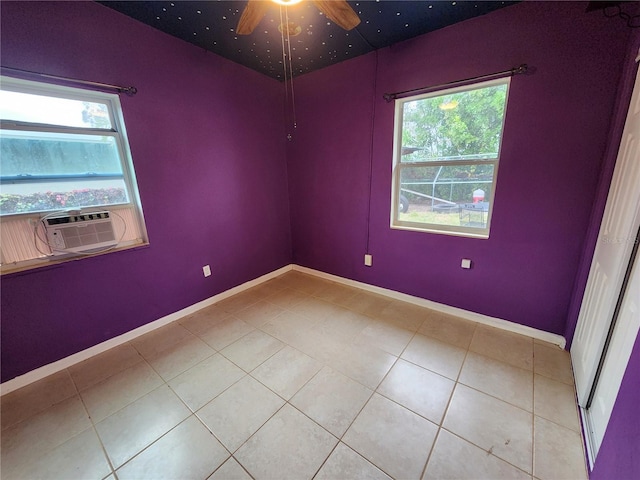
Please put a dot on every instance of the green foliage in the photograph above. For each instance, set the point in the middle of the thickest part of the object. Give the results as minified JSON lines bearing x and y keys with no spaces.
{"x":455,"y":126}
{"x":46,"y":201}
{"x":463,"y":123}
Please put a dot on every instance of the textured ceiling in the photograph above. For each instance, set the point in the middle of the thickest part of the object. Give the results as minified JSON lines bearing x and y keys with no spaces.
{"x":211,"y":25}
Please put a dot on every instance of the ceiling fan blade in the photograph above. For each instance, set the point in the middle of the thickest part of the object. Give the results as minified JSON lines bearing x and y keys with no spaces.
{"x":251,"y":16}
{"x":339,"y":12}
{"x":601,"y":5}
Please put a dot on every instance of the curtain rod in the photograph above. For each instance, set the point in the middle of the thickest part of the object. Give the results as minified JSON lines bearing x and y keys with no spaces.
{"x":506,"y":73}
{"x":131,"y":91}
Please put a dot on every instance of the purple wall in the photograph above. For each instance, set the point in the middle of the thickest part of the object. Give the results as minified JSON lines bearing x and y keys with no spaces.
{"x":618,"y":456}
{"x":208,"y":145}
{"x":556,"y":132}
{"x":207,"y":141}
{"x":625,"y":89}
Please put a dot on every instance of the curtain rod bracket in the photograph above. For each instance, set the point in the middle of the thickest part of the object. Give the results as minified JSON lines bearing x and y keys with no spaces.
{"x":130,"y":91}
{"x":519,"y":70}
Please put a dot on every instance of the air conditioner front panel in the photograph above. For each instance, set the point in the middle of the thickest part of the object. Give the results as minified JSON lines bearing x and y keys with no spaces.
{"x":80,"y":233}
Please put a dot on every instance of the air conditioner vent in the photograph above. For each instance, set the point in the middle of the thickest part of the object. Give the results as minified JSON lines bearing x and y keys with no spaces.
{"x":82,"y":233}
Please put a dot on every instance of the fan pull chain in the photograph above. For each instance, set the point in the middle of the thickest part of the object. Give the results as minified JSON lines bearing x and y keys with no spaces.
{"x":293,"y":95}
{"x":290,"y":116}
{"x":284,"y":65}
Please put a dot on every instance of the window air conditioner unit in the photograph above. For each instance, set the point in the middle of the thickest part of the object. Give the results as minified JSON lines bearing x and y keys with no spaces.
{"x":79,"y":233}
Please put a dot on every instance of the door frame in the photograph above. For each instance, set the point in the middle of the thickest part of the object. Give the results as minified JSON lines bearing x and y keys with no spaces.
{"x":613,"y":365}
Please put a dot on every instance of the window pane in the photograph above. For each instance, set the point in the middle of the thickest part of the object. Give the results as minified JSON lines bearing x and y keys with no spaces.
{"x":463,"y":125}
{"x":61,"y":149}
{"x":447,"y":195}
{"x":43,"y":171}
{"x":61,"y":195}
{"x":26,"y":107}
{"x":41,"y":153}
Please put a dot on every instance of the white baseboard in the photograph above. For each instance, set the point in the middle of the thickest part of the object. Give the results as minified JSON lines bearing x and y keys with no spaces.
{"x":51,"y":368}
{"x":46,"y":370}
{"x":440,"y":307}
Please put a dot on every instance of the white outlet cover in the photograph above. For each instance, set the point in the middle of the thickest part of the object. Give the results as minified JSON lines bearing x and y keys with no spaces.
{"x":466,"y":263}
{"x":368,"y":260}
{"x":206,"y":270}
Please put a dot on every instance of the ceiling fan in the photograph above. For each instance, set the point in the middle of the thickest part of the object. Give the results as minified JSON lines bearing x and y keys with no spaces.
{"x":338,"y":11}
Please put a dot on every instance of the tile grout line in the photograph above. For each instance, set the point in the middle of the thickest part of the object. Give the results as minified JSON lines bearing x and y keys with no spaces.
{"x":248,"y":374}
{"x":508,"y":403}
{"x":492,"y":396}
{"x":446,"y":410}
{"x":238,"y":462}
{"x":322,"y":464}
{"x":192,"y":413}
{"x":93,"y":427}
{"x":144,"y":449}
{"x":491,"y":454}
{"x":233,"y":454}
{"x":374,"y":391}
{"x":165,"y":383}
{"x":322,"y":364}
{"x":288,"y":402}
{"x":435,"y":438}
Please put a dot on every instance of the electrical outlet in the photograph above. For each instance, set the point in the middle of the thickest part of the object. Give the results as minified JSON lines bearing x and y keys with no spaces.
{"x":466,"y":263}
{"x":206,"y":270}
{"x":368,"y":259}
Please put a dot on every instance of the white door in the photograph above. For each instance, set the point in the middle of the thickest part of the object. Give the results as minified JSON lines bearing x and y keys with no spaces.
{"x":618,"y":353}
{"x":610,"y":261}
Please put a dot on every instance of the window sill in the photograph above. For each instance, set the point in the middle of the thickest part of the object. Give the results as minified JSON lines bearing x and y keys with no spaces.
{"x":56,"y":262}
{"x":483,"y":234}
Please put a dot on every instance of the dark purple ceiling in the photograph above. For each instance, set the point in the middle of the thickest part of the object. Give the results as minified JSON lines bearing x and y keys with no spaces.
{"x":211,"y":25}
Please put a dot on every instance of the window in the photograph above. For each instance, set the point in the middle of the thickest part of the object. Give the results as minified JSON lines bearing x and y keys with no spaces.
{"x":61,"y":149}
{"x":446,"y":154}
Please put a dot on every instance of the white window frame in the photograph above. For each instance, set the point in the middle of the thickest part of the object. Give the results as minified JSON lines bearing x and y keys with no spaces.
{"x":131,"y":215}
{"x":398,"y":166}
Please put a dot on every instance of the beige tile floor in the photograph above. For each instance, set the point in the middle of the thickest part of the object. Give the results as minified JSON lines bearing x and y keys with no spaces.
{"x":303,"y":378}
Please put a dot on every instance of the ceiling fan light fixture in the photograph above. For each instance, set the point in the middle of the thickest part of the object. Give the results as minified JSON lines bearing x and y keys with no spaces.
{"x":286,"y":3}
{"x":338,"y":11}
{"x":448,"y":105}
